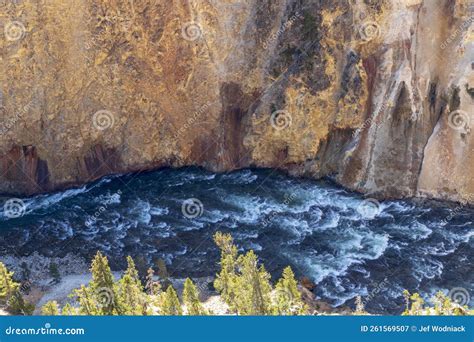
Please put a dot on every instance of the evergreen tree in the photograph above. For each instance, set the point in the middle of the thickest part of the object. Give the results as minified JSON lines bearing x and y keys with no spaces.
{"x":10,"y":294}
{"x":18,"y":306}
{"x":68,"y":310}
{"x":8,"y":286}
{"x":226,"y":280}
{"x":50,"y":309}
{"x":191,"y":299}
{"x":88,"y":304}
{"x":163,"y":274}
{"x":130,"y":296}
{"x":102,"y":285}
{"x":360,"y":307}
{"x":152,"y":287}
{"x":416,"y":304}
{"x":288,"y":298}
{"x":253,"y":287}
{"x":54,"y":272}
{"x":132,"y":271}
{"x":170,"y":305}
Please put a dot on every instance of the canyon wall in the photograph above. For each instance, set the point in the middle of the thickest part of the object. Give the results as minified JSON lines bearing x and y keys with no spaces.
{"x":375,"y":93}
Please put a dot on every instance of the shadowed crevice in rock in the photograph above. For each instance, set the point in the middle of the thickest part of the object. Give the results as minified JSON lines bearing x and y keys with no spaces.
{"x":99,"y":161}
{"x":24,"y":171}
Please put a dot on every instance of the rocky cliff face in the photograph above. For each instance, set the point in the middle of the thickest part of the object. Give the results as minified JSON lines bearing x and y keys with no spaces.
{"x":377,"y":93}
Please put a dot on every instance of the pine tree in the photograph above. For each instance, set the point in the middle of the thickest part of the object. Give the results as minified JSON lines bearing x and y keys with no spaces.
{"x":18,"y":306}
{"x":10,"y":294}
{"x":130,"y":296}
{"x":102,"y":285}
{"x":226,"y":280}
{"x":8,"y":286}
{"x":87,"y":302}
{"x":191,"y":299}
{"x":170,"y":305}
{"x":406,"y":296}
{"x":152,"y":287}
{"x":54,"y":272}
{"x":50,"y":309}
{"x":288,"y":298}
{"x":253,"y":295}
{"x":132,"y":271}
{"x":416,"y":304}
{"x":442,"y":304}
{"x":360,"y":307}
{"x":68,"y":310}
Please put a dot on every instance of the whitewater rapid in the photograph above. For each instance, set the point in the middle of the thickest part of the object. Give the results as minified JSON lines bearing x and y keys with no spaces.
{"x":347,"y":244}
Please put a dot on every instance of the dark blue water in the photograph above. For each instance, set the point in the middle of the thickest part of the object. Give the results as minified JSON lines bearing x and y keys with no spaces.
{"x":346,"y":245}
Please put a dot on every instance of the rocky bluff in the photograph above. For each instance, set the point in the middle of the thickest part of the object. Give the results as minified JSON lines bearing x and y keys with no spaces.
{"x":377,"y":93}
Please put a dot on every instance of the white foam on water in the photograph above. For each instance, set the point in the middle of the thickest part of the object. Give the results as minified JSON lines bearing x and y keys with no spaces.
{"x":426,"y":268}
{"x":159,"y":211}
{"x":240,"y":177}
{"x":354,"y":249}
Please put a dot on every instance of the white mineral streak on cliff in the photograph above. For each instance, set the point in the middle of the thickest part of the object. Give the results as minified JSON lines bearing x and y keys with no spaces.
{"x":448,"y":165}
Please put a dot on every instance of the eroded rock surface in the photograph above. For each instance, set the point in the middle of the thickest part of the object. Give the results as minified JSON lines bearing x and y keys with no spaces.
{"x":378,"y":94}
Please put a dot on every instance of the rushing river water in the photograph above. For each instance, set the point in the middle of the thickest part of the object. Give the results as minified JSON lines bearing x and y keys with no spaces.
{"x":346,"y":245}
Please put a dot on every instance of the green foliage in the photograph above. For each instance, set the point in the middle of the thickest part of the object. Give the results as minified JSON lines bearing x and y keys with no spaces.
{"x":8,"y":287}
{"x":51,"y":308}
{"x":252,"y":287}
{"x":225,"y":281}
{"x":88,"y":304}
{"x":191,"y":299}
{"x":131,"y":300}
{"x":54,"y":272}
{"x":288,"y":298}
{"x":18,"y":306}
{"x":443,"y":306}
{"x":244,"y":285}
{"x":102,"y":288}
{"x":152,"y":287}
{"x":163,"y":274}
{"x":68,"y":310}
{"x":10,"y":294}
{"x":170,"y":305}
